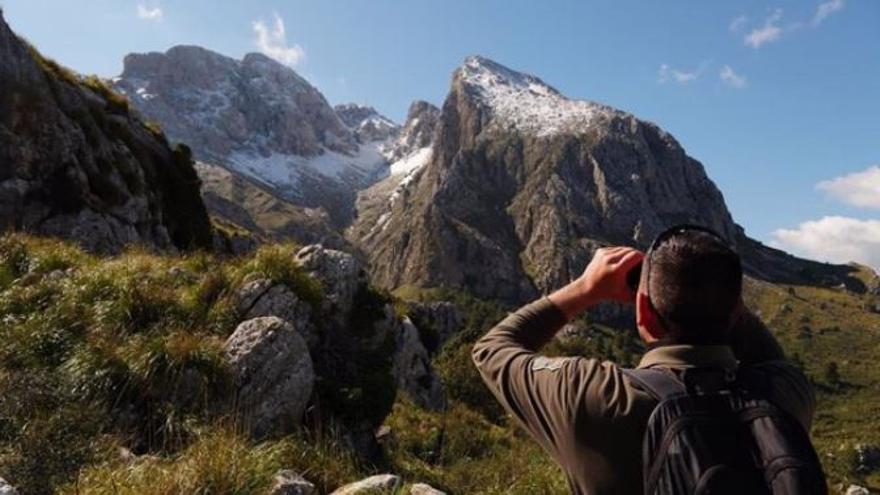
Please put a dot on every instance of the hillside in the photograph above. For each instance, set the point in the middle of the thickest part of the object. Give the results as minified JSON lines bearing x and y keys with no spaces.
{"x":252,"y":207}
{"x":115,"y":375}
{"x":77,"y":163}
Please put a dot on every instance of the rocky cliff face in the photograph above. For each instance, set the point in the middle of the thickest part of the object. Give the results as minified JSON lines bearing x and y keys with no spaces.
{"x":74,"y":162}
{"x":256,"y":117}
{"x":417,"y":132}
{"x":408,"y":152}
{"x":368,"y":125}
{"x":523,"y":184}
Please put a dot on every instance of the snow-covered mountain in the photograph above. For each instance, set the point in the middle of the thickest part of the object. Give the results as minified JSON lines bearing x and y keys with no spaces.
{"x":259,"y":118}
{"x":256,"y":117}
{"x":521,"y":184}
{"x":523,"y":102}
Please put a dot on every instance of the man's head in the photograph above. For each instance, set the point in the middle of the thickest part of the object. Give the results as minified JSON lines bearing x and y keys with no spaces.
{"x":690,"y":289}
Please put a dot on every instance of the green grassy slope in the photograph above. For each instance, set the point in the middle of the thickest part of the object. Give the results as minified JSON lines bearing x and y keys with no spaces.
{"x":92,"y":351}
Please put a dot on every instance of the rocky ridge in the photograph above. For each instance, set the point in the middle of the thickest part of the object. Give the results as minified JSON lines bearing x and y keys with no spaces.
{"x":78,"y":164}
{"x":368,"y":125}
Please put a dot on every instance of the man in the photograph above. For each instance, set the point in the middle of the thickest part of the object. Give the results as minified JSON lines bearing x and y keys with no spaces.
{"x":589,"y":415}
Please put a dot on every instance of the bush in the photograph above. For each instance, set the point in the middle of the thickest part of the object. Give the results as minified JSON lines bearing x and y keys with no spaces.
{"x":116,"y":103}
{"x":277,"y":263}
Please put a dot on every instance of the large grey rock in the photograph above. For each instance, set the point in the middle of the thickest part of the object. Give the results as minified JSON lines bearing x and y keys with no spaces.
{"x":289,"y":482}
{"x":424,"y":489}
{"x":77,"y":164}
{"x":857,"y":490}
{"x":378,"y":483}
{"x":340,"y":274}
{"x":263,"y":297}
{"x":6,"y":488}
{"x":273,"y":374}
{"x":412,"y":369}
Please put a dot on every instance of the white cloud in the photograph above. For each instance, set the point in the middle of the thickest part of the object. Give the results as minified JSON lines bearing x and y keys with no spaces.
{"x":825,"y":9}
{"x":858,"y":189}
{"x":273,"y":42}
{"x":667,"y":73}
{"x":770,"y":31}
{"x":737,"y":23}
{"x":731,"y":78}
{"x":834,"y":239}
{"x":149,"y":13}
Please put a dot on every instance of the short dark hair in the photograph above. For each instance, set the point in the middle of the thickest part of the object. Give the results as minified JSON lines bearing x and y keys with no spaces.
{"x":695,"y":286}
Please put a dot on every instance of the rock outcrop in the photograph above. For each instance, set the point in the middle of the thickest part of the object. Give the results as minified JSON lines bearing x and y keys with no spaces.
{"x":412,"y":369}
{"x":77,"y":164}
{"x":340,"y":273}
{"x":381,"y":483}
{"x":437,"y":321}
{"x":524,"y":184}
{"x":272,"y":372}
{"x":289,"y":482}
{"x":424,"y":489}
{"x":263,"y":297}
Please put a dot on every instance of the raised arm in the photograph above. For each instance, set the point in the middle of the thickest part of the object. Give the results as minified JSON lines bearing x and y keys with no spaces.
{"x":545,"y":394}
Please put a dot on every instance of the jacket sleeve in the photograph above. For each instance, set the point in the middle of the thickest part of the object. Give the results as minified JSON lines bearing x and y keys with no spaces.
{"x":551,"y":398}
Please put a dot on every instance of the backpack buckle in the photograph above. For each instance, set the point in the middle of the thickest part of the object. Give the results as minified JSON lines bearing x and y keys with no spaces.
{"x":702,"y":381}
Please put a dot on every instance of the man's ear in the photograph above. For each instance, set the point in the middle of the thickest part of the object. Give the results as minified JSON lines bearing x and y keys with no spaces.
{"x":646,"y":319}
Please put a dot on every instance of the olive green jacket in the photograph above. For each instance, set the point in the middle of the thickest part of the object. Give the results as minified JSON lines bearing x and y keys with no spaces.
{"x":588,"y":415}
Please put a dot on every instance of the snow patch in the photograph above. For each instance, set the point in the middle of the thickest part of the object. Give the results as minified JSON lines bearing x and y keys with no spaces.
{"x":526,"y":103}
{"x":142,"y":92}
{"x":412,"y":161}
{"x":283,"y":170}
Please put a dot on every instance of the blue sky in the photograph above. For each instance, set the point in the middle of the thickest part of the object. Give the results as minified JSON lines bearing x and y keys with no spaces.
{"x":773,"y":97}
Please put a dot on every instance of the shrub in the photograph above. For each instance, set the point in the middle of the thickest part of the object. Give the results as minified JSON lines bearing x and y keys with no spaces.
{"x":277,"y":263}
{"x":116,"y":102}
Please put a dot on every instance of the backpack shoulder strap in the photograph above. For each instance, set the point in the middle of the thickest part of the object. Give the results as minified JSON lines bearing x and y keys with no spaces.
{"x":661,"y":384}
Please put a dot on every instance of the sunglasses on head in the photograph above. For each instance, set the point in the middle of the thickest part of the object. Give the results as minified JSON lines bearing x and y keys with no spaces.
{"x":635,"y":274}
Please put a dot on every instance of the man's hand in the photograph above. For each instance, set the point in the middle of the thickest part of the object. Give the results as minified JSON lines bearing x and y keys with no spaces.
{"x":604,"y":279}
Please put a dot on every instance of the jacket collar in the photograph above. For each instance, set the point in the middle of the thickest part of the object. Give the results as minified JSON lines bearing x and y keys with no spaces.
{"x":690,"y":356}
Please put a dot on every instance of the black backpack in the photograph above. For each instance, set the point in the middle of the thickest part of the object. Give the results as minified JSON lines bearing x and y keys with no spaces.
{"x":715,"y":432}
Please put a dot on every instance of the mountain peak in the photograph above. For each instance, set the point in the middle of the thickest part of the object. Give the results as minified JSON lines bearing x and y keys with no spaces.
{"x":367,"y":124}
{"x":481,"y":71}
{"x":524,"y":102}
